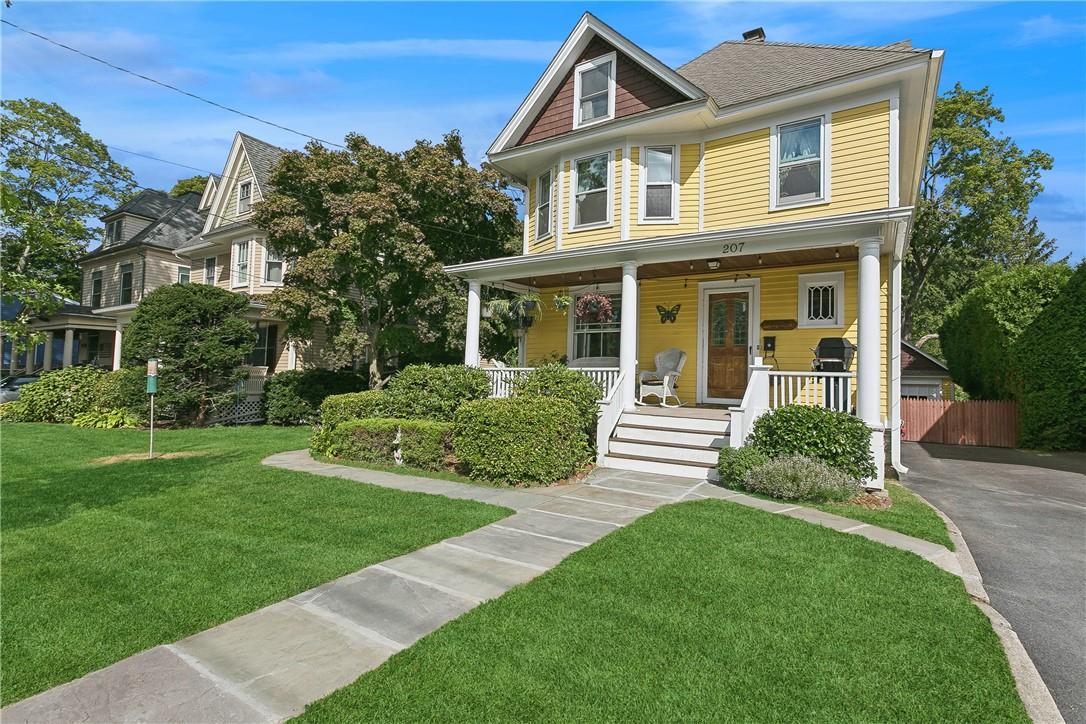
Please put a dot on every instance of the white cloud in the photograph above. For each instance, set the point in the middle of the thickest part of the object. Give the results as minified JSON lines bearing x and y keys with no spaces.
{"x":1053,"y":127}
{"x":316,"y":53}
{"x":294,"y":85}
{"x":1047,"y":28}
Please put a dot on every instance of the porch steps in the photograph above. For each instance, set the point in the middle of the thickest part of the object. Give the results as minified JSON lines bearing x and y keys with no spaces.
{"x":682,"y":442}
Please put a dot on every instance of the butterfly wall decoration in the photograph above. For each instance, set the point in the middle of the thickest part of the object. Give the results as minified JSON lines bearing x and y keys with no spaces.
{"x":668,"y":315}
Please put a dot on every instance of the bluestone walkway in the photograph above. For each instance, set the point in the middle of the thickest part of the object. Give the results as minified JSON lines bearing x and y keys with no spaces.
{"x":267,"y":665}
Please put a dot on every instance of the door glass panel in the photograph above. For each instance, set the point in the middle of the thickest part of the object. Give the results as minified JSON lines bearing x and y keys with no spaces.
{"x":718,"y":323}
{"x":739,"y":323}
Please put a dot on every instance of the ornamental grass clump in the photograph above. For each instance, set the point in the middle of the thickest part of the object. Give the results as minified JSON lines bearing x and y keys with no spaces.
{"x":797,"y":477}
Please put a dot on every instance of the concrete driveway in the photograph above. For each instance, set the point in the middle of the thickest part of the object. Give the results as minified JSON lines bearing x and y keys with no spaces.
{"x":1023,"y":515}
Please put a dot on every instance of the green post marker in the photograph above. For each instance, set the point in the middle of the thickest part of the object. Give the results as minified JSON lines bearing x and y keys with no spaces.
{"x":152,"y":388}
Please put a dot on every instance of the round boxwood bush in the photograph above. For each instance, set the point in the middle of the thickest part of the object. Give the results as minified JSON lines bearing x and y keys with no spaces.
{"x":735,"y":463}
{"x":557,"y":380}
{"x":519,"y":440}
{"x":434,"y":392}
{"x":61,"y":395}
{"x":294,"y":397}
{"x":836,"y":438}
{"x":797,"y":477}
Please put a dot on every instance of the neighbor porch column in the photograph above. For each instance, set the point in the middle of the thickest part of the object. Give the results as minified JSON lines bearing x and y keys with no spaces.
{"x":117,"y":347}
{"x":13,"y":361}
{"x":47,"y":363}
{"x":471,"y":340}
{"x":31,"y":356}
{"x":69,"y":345}
{"x":627,"y":345}
{"x":868,"y":352}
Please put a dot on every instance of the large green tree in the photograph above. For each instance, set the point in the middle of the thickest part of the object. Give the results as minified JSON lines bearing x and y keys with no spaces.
{"x":190,"y":185}
{"x":369,"y":231}
{"x":56,"y":178}
{"x":973,"y":210}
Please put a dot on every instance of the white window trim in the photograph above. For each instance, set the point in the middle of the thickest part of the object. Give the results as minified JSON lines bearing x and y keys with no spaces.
{"x":837,"y":279}
{"x":550,"y":204}
{"x":578,"y":70}
{"x":642,"y":183}
{"x":214,"y":269}
{"x":235,"y":282}
{"x":268,"y":253}
{"x":824,"y":137}
{"x":101,"y":272}
{"x":608,"y":288}
{"x":249,"y":183}
{"x":119,"y":225}
{"x":189,"y":270}
{"x":573,"y":226}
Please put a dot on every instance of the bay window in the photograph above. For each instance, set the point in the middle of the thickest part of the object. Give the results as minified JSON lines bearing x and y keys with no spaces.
{"x":543,"y":206}
{"x":241,"y":263}
{"x":591,"y":184}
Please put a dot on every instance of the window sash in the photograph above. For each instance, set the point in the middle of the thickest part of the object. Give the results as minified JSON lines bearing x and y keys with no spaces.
{"x":595,"y":339}
{"x":209,"y":270}
{"x":659,"y":182}
{"x":126,"y":284}
{"x":798,"y":154}
{"x":183,"y":273}
{"x":591,"y":74}
{"x":272,"y":263}
{"x":245,"y":195}
{"x":582,"y":194}
{"x":96,"y":289}
{"x":543,"y":206}
{"x":821,"y":300}
{"x":241,"y":263}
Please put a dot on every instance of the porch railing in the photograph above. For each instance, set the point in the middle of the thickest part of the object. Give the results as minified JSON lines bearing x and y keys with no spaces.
{"x":253,"y":384}
{"x":501,"y":378}
{"x":610,"y":410}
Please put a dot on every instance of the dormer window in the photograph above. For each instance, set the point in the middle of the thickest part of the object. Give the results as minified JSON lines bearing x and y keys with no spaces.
{"x":113,"y":231}
{"x":594,"y":90}
{"x":245,"y":197}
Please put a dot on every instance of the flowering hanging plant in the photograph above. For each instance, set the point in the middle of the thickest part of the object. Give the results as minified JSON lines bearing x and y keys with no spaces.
{"x":594,"y":307}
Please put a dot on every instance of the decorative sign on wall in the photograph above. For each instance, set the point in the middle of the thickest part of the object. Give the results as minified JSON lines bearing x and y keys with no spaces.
{"x":668,"y":315}
{"x":778,"y":324}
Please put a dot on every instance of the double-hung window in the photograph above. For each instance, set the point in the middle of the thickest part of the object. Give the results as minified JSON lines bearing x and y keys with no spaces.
{"x":543,"y":206}
{"x":96,"y":289}
{"x":821,"y":297}
{"x":597,"y":339}
{"x":273,"y":267}
{"x":183,"y":274}
{"x":594,"y":89}
{"x":592,"y":178}
{"x":126,"y":284}
{"x":113,"y":231}
{"x":245,"y":197}
{"x":658,"y":198}
{"x":241,"y":263}
{"x":266,"y":350}
{"x":209,"y":270}
{"x":800,"y":162}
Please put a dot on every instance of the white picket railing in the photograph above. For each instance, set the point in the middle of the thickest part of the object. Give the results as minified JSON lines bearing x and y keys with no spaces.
{"x":253,"y":385}
{"x":501,"y":378}
{"x":610,"y":411}
{"x":832,"y":390}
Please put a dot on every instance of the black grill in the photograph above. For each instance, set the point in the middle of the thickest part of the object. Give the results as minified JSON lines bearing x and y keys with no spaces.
{"x":833,"y":354}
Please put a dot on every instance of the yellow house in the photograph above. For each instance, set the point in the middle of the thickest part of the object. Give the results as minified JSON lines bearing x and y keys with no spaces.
{"x":732,"y":212}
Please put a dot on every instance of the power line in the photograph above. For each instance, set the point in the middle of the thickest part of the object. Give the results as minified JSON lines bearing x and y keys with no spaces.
{"x":168,"y":86}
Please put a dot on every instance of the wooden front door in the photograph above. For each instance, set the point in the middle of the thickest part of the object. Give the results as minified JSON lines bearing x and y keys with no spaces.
{"x":729,"y":336}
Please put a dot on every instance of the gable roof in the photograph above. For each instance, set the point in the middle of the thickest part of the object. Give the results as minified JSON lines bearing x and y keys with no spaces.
{"x":914,"y":359}
{"x":738,"y":71}
{"x":180,"y":221}
{"x":262,"y":158}
{"x":149,"y":203}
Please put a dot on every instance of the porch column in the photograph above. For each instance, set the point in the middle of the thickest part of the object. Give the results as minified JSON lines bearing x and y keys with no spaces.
{"x":31,"y":355}
{"x":117,"y":347}
{"x":627,"y":345}
{"x":47,"y":363}
{"x":292,"y":355}
{"x":13,"y":361}
{"x":69,"y":344}
{"x":869,"y":334}
{"x":471,"y":340}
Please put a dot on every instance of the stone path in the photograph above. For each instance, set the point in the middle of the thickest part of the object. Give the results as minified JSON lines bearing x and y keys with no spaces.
{"x":267,"y":665}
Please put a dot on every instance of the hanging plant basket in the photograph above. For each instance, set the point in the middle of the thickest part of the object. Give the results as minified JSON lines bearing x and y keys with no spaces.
{"x":594,"y":308}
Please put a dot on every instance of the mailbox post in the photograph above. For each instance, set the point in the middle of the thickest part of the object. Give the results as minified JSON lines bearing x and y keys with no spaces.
{"x":152,"y":388}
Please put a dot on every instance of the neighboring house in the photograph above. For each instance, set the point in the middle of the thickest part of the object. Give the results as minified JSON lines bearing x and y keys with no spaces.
{"x":922,"y":376}
{"x":762,"y":190}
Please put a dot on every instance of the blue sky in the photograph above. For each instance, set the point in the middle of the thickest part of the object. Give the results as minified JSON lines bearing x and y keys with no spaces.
{"x":398,"y":72}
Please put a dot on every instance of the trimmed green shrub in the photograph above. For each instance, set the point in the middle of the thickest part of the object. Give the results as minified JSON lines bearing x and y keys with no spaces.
{"x":423,"y":444}
{"x":106,"y":419}
{"x":735,"y":463}
{"x":337,"y":409}
{"x":61,"y":395}
{"x":1049,"y":364}
{"x":557,"y":380}
{"x":125,"y":389}
{"x":14,"y":411}
{"x":294,"y":397}
{"x":836,"y":438}
{"x":519,"y":440}
{"x":428,"y":392}
{"x":797,"y":477}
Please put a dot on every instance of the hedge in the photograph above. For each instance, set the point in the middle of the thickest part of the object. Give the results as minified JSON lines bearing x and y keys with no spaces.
{"x":836,"y":438}
{"x":338,"y":409}
{"x":428,"y":392}
{"x":519,"y":440}
{"x":557,"y":380}
{"x":735,"y":463}
{"x":126,"y":390}
{"x":294,"y":397}
{"x":1048,"y":361}
{"x":61,"y":395}
{"x":423,"y":444}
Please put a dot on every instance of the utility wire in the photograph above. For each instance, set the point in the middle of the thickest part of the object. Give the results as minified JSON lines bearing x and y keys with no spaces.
{"x":168,"y":86}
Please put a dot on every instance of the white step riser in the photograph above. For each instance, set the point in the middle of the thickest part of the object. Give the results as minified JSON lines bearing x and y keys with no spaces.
{"x":670,"y":437}
{"x":680,"y":423}
{"x":678,"y":454}
{"x":649,"y":466}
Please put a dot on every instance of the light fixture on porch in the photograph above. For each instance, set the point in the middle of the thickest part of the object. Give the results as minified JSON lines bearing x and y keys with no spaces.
{"x":836,"y":253}
{"x":713,"y":264}
{"x":759,"y":260}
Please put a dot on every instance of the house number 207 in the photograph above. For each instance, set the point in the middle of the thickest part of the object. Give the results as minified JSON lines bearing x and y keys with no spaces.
{"x":733,"y":248}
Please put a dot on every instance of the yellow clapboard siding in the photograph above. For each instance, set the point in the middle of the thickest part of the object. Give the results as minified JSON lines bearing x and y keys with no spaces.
{"x":547,"y":244}
{"x":604,"y":234}
{"x":548,"y":338}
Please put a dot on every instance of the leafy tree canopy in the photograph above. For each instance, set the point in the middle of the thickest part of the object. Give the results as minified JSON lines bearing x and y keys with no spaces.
{"x":369,"y":232}
{"x":199,"y":334}
{"x":55,"y":177}
{"x":190,"y":185}
{"x":973,"y":209}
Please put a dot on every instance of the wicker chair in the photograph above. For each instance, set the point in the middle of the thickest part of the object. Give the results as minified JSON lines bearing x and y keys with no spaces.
{"x":661,"y":381}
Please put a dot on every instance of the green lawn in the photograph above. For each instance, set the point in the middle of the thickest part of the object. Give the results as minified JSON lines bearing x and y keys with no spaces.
{"x":706,"y":611}
{"x":909,"y":515}
{"x":101,"y":561}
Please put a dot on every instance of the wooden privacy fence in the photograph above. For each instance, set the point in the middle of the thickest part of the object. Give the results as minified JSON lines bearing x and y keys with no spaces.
{"x":992,"y":423}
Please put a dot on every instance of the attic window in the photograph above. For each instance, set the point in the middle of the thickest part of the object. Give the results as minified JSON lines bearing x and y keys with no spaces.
{"x":113,"y":231}
{"x":245,"y":197}
{"x":594,"y":90}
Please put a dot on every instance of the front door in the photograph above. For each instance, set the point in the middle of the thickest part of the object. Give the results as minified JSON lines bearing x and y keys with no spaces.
{"x":728,"y":338}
